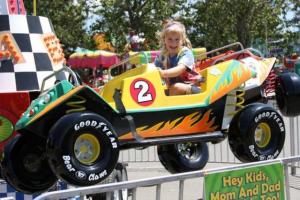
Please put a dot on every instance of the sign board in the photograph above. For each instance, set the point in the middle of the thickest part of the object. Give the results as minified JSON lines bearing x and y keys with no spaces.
{"x":263,"y":182}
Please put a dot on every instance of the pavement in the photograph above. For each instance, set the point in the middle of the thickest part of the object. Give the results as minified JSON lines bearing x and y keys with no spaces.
{"x":193,"y":188}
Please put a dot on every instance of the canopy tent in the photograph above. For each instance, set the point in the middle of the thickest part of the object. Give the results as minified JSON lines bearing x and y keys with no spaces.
{"x":93,"y":59}
{"x":142,"y":57}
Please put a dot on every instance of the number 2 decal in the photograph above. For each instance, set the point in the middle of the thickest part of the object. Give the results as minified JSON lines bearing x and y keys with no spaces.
{"x":142,"y":92}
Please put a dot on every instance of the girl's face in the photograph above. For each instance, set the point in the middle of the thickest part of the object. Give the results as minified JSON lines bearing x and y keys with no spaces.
{"x":173,"y":42}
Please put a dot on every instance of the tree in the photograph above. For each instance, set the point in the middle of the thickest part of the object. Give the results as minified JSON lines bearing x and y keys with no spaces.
{"x":210,"y":23}
{"x":291,"y":17}
{"x":219,"y":22}
{"x":116,"y":17}
{"x":68,"y":20}
{"x":102,"y":44}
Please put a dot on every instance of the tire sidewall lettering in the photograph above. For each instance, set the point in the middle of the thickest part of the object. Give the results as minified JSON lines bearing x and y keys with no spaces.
{"x":271,"y":115}
{"x":252,"y":151}
{"x":95,"y":177}
{"x":111,"y":139}
{"x":67,"y":160}
{"x":256,"y":155}
{"x":265,"y":116}
{"x":76,"y":132}
{"x":98,"y":125}
{"x":91,"y":123}
{"x":80,"y":174}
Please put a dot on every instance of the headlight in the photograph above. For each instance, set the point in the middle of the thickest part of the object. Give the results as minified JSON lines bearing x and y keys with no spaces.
{"x":31,"y":112}
{"x":46,"y":98}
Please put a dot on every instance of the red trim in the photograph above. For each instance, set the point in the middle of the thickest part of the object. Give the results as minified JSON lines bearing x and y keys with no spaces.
{"x":12,"y":105}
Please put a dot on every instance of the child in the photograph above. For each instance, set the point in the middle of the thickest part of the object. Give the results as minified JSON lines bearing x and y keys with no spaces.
{"x":176,"y":61}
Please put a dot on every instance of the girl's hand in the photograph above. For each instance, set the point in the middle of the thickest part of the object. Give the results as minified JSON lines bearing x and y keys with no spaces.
{"x":161,"y":72}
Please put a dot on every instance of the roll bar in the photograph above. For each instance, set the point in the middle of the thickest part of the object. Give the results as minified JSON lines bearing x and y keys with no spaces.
{"x":221,"y":48}
{"x":237,"y":53}
{"x":64,"y":68}
{"x":121,"y":63}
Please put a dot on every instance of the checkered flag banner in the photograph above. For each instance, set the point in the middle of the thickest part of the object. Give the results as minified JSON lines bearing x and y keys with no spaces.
{"x":29,"y":52}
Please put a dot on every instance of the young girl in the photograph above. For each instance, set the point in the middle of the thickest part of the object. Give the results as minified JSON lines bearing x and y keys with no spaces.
{"x":176,"y":61}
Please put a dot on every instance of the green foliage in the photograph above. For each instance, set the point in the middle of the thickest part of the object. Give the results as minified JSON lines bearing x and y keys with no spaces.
{"x":292,"y":24}
{"x":68,"y":20}
{"x":210,"y":23}
{"x":219,"y":22}
{"x":142,"y":16}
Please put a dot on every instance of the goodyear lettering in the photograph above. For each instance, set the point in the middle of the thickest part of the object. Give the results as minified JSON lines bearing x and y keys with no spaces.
{"x":68,"y":164}
{"x":84,"y":124}
{"x":101,"y":124}
{"x":98,"y":125}
{"x":108,"y":133}
{"x":94,"y":123}
{"x":113,"y":143}
{"x":272,"y":115}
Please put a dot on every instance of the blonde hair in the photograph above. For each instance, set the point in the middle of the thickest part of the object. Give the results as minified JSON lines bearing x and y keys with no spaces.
{"x":172,"y":26}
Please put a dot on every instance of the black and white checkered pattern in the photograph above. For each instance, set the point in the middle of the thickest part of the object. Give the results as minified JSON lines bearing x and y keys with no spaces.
{"x":7,"y":191}
{"x":27,"y":31}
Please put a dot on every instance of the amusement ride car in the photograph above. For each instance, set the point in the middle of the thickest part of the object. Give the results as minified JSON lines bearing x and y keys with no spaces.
{"x":79,"y":132}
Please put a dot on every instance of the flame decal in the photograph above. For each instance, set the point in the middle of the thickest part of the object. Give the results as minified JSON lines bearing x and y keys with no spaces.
{"x":235,"y":75}
{"x":194,"y":123}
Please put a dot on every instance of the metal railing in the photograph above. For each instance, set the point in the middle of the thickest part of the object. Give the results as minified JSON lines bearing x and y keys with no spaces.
{"x":159,"y":181}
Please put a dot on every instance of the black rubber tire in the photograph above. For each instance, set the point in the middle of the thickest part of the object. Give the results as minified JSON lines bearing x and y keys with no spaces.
{"x":244,"y":139}
{"x":82,"y":148}
{"x":288,"y":94}
{"x":25,"y":166}
{"x":174,"y":160}
{"x":118,"y":175}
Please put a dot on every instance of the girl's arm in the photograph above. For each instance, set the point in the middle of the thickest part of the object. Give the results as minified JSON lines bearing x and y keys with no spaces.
{"x":172,"y":72}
